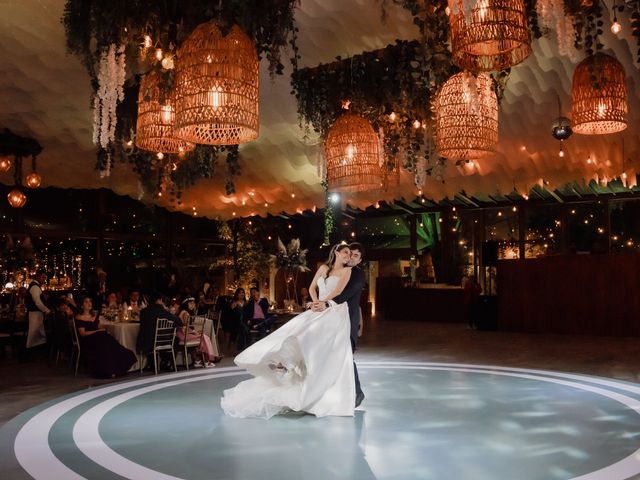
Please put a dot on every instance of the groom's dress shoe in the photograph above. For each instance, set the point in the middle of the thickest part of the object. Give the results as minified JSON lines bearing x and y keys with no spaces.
{"x":359,"y":399}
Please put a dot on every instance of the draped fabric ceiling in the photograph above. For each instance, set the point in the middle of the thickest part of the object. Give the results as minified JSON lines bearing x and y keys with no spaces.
{"x":45,"y":93}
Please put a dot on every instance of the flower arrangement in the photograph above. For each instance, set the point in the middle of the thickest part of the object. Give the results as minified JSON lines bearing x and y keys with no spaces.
{"x":111,"y":76}
{"x":150,"y":32}
{"x":292,"y":260}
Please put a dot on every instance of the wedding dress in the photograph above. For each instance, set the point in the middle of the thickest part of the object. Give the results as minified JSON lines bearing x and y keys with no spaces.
{"x":304,"y":366}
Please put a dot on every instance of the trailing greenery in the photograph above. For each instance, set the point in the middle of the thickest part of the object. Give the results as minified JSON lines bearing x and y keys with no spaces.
{"x":329,"y":215}
{"x":245,"y":254}
{"x":92,"y":25}
{"x":398,"y":79}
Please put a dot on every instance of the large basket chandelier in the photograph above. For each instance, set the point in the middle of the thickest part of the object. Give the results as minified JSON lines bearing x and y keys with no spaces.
{"x":466,"y":117}
{"x":493,"y":36}
{"x":599,"y":96}
{"x":216,"y":87}
{"x":156,"y":117}
{"x":352,"y":153}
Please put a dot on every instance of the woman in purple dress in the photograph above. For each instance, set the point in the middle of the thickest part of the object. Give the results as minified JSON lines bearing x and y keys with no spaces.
{"x":104,"y":355}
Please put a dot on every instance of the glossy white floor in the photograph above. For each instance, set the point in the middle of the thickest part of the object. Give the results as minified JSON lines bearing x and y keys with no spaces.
{"x":434,"y":410}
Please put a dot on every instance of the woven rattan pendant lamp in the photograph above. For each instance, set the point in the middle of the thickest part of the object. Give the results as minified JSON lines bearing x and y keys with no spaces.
{"x":216,"y":87}
{"x":156,"y":117}
{"x":352,"y":153}
{"x":493,"y":36}
{"x":466,"y":117}
{"x":599,"y":96}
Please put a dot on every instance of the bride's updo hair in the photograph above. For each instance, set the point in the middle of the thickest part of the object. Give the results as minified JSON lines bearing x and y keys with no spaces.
{"x":330,"y":263}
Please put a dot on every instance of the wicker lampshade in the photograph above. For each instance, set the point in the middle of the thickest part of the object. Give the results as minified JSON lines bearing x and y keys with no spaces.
{"x":17,"y":198}
{"x":494,"y":36}
{"x":352,"y":154}
{"x":154,"y":126}
{"x":216,"y":87}
{"x":466,"y":117}
{"x":599,"y":96}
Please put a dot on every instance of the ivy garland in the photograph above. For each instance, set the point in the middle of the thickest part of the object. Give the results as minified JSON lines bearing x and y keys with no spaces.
{"x":398,"y":80}
{"x":401,"y":78}
{"x":329,"y":215}
{"x":92,"y":25}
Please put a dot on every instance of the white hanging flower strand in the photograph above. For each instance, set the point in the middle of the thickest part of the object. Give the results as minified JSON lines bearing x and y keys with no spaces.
{"x":111,"y":76}
{"x":467,"y":7}
{"x":551,"y":15}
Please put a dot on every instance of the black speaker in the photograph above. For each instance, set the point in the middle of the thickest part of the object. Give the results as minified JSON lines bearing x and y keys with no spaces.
{"x":490,"y":253}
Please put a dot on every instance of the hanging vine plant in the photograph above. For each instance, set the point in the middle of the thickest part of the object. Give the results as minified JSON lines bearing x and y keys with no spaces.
{"x":390,"y":87}
{"x":103,"y":33}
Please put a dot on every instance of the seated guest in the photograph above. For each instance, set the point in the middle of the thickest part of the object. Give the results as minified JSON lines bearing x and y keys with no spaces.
{"x":62,"y":324}
{"x":174,"y":305}
{"x":112,"y":301}
{"x":148,"y":320}
{"x":135,"y":303}
{"x":188,"y":309}
{"x":105,"y":356}
{"x":110,"y":309}
{"x":256,"y":313}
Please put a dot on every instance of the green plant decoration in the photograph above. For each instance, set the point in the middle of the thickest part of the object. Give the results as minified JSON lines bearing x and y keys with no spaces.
{"x":145,"y":27}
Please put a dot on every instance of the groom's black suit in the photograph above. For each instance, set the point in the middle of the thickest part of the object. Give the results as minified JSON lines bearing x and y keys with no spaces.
{"x":351,"y":294}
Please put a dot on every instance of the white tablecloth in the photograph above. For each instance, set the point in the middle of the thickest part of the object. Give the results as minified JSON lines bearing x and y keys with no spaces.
{"x":126,"y":333}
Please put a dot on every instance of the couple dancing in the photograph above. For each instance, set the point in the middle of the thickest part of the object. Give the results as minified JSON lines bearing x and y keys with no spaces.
{"x":307,"y":364}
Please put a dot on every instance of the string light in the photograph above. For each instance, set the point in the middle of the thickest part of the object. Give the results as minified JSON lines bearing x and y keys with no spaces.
{"x":616,"y":28}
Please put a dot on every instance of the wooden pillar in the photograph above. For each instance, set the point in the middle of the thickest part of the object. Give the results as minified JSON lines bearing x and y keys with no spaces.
{"x":607,"y":224}
{"x":101,"y":212}
{"x":413,"y":232}
{"x":445,"y":246}
{"x":168,"y":242}
{"x":522,"y":227}
{"x":564,"y":228}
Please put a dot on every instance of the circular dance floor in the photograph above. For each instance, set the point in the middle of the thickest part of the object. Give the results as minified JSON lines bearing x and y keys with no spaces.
{"x":419,"y":420}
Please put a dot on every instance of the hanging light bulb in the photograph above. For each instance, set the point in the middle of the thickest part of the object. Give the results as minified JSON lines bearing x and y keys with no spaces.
{"x":561,"y":154}
{"x":616,"y":28}
{"x":217,"y":99}
{"x":166,"y":114}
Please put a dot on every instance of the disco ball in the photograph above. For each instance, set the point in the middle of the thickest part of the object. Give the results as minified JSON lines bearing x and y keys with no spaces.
{"x":561,"y":128}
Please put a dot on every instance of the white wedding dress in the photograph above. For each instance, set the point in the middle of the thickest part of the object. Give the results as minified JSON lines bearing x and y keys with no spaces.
{"x":315,"y":350}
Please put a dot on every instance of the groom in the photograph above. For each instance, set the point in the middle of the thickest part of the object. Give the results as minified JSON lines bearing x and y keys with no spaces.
{"x":351,"y":294}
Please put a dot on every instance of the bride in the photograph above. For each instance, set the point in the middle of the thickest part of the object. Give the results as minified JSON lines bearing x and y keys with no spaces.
{"x":307,"y":364}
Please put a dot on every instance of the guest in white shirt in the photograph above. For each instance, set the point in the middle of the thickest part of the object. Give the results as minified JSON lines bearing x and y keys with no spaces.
{"x":36,"y":311}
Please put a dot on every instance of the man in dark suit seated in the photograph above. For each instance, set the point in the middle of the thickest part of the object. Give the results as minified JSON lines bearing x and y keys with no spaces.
{"x":148,"y":320}
{"x":256,"y":313}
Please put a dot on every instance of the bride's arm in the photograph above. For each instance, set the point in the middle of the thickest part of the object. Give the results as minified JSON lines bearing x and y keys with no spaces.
{"x":344,"y":279}
{"x":314,"y":283}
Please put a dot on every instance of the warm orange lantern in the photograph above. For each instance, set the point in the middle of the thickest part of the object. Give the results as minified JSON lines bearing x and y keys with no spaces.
{"x":34,"y":180}
{"x":17,"y":198}
{"x":5,"y":164}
